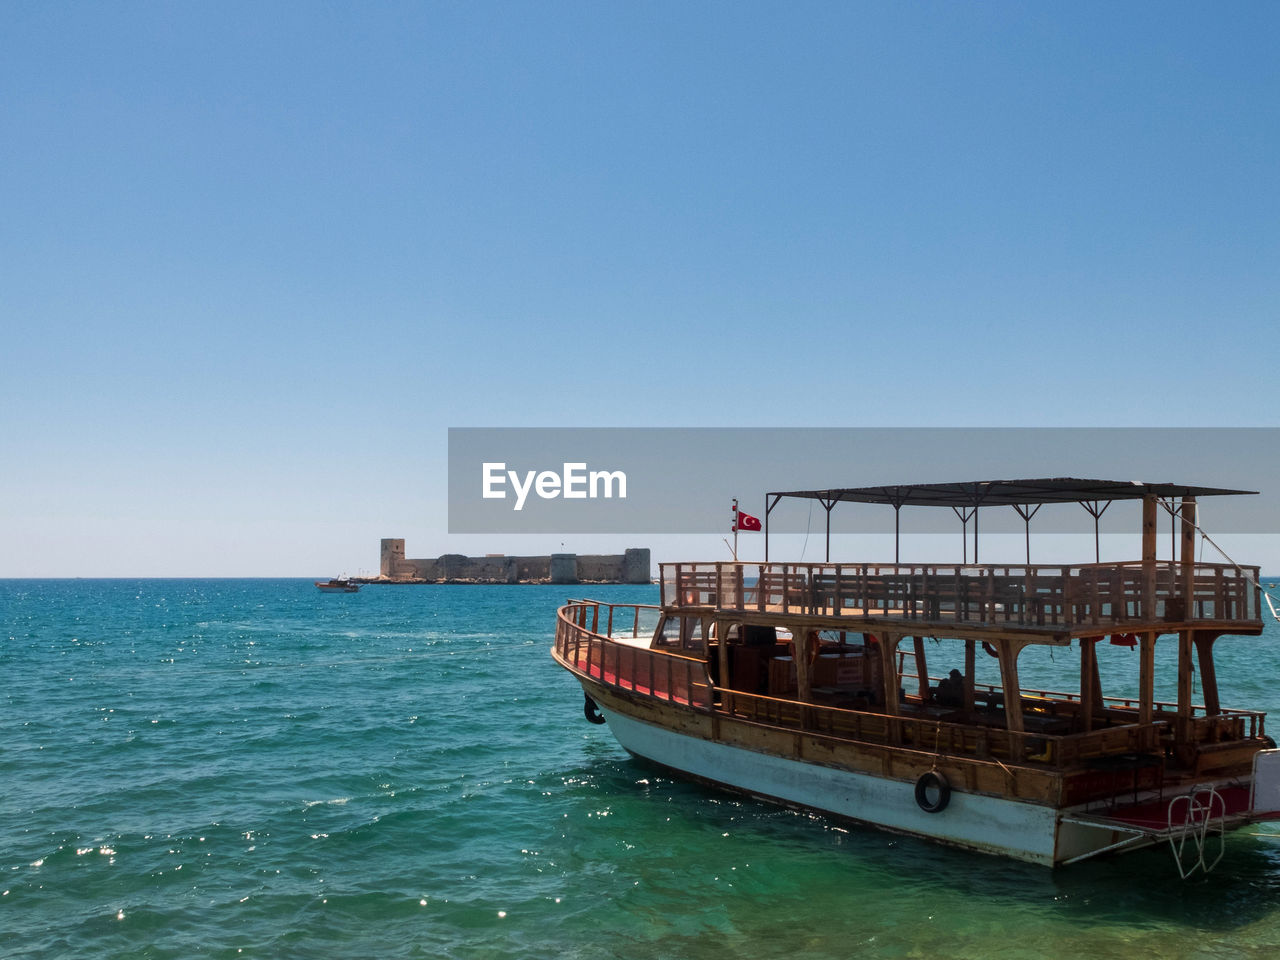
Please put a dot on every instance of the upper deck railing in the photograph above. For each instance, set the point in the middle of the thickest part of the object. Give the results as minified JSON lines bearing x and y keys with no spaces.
{"x":1068,"y":598}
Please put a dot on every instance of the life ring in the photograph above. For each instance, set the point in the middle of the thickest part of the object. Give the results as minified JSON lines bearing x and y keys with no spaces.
{"x":934,"y":781}
{"x":990,"y":650}
{"x":590,"y":710}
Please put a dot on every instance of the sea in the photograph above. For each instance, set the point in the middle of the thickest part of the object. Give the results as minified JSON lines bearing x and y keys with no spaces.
{"x":251,"y":768}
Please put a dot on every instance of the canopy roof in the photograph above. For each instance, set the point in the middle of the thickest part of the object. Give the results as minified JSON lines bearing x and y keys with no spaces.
{"x":986,"y":493}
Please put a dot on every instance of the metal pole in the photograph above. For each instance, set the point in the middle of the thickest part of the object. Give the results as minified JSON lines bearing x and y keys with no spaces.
{"x":767,"y":509}
{"x":1026,"y":516}
{"x":963,"y":517}
{"x":975,"y":533}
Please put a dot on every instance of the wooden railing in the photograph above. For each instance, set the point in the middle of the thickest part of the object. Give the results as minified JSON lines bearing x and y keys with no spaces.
{"x":1101,"y":596}
{"x":1206,"y":728}
{"x":951,"y":739}
{"x":655,"y":673}
{"x":621,"y":620}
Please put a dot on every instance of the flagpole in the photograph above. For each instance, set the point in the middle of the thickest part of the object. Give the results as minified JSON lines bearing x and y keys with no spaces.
{"x":735,"y":529}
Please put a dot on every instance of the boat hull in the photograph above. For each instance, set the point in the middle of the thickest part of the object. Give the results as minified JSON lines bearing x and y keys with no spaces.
{"x":1030,"y":832}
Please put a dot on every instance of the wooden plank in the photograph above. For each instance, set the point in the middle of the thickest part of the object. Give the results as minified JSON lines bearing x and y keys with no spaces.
{"x":1008,"y":651}
{"x":1146,"y":675}
{"x":922,"y":673}
{"x":1203,"y":640}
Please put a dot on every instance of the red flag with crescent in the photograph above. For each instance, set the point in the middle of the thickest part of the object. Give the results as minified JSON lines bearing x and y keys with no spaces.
{"x":747,"y":522}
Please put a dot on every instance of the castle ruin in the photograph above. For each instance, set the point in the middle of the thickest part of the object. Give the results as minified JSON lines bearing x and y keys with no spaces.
{"x":629,"y":567}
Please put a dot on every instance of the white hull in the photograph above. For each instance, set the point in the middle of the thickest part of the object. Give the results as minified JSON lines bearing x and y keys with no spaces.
{"x":1025,"y":831}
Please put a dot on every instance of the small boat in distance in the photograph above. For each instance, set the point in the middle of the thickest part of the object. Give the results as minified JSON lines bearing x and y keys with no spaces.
{"x":338,"y":585}
{"x":810,"y":684}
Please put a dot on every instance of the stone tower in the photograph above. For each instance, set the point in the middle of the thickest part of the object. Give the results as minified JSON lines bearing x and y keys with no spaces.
{"x":392,"y":557}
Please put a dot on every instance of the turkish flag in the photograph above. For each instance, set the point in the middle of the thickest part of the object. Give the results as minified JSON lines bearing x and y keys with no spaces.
{"x":747,"y":522}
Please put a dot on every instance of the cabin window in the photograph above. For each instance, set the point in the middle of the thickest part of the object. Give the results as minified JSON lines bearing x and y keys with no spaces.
{"x":944,"y":655}
{"x":685,"y":634}
{"x":840,"y":641}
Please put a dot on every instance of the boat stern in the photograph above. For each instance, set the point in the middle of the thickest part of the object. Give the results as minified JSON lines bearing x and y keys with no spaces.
{"x":1264,"y":799}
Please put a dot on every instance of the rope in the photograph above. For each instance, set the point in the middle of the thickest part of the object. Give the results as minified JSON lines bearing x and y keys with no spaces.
{"x":807,"y":524}
{"x":1012,"y":775}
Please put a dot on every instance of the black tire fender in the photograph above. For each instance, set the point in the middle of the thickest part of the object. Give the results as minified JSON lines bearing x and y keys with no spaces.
{"x":933,"y":781}
{"x":590,"y":710}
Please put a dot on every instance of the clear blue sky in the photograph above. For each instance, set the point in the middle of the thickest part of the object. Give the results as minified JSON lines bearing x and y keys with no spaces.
{"x":256,"y":258}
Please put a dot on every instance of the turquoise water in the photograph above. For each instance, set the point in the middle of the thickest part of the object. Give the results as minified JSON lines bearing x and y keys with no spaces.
{"x":249,"y":768}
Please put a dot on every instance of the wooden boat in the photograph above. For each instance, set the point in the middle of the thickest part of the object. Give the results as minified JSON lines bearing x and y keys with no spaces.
{"x":338,"y":585}
{"x":810,"y":684}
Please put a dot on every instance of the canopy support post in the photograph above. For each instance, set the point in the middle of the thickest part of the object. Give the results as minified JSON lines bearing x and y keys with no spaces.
{"x":1026,"y":516}
{"x":770,"y":501}
{"x":1182,"y":736}
{"x":827,"y":504}
{"x":1095,"y":511}
{"x":964,"y":516}
{"x":897,"y":509}
{"x":1149,"y":557}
